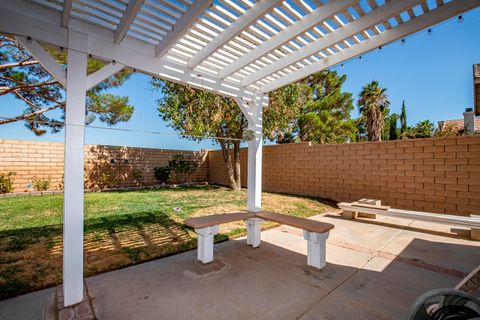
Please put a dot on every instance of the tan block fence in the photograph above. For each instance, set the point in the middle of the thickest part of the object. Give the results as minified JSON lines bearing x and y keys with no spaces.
{"x":105,"y":166}
{"x":436,"y":175}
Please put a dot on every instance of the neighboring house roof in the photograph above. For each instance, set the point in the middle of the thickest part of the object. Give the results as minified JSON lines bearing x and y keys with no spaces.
{"x":457,"y":123}
{"x":476,"y":88}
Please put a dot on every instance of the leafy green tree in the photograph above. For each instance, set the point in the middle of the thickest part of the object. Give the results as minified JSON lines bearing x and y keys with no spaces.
{"x":198,"y":115}
{"x":373,"y":104}
{"x":44,"y":98}
{"x":403,"y":118}
{"x":319,"y":110}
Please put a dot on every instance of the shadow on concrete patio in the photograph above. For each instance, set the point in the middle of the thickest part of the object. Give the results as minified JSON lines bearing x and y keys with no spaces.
{"x":373,"y":272}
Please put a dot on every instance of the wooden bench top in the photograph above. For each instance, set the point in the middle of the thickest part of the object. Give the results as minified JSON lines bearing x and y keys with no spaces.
{"x":216,"y":219}
{"x":301,"y":223}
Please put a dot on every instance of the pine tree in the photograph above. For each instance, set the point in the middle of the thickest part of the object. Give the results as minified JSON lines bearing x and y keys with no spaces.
{"x":392,"y":135}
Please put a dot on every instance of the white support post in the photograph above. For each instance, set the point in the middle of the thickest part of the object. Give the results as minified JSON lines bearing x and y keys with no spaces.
{"x":205,"y":243}
{"x":316,"y":248}
{"x":74,"y":169}
{"x":254,"y":113}
{"x":254,"y":183}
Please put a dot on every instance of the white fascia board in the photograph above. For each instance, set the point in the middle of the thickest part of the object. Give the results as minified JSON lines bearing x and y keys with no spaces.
{"x":375,"y":16}
{"x":445,"y":12}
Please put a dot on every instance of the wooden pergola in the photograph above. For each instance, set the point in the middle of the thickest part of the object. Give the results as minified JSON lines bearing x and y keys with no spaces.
{"x":237,"y":48}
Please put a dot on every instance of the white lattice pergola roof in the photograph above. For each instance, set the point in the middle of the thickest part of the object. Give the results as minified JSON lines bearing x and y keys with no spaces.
{"x":233,"y":47}
{"x":238,"y":48}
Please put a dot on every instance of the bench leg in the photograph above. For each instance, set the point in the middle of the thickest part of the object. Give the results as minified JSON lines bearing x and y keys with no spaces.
{"x":205,"y":243}
{"x":253,"y":231}
{"x":349,"y":214}
{"x":475,"y":234}
{"x":316,"y":248}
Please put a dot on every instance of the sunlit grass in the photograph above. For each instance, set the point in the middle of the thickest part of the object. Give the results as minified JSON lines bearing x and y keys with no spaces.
{"x":121,"y":228}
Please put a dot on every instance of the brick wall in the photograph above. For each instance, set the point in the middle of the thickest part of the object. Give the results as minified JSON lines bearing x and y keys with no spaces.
{"x":131,"y":167}
{"x":436,"y":175}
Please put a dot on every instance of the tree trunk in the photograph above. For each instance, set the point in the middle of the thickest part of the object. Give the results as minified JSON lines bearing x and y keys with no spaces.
{"x":229,"y":162}
{"x":236,"y":168}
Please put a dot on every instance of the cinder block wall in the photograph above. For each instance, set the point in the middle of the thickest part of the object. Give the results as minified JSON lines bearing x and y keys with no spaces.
{"x":45,"y":160}
{"x":435,"y":175}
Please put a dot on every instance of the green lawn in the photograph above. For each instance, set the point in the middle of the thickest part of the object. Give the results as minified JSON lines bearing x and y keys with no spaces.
{"x":121,"y":229}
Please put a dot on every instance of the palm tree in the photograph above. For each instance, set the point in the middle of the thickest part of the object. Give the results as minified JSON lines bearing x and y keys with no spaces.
{"x":373,"y":104}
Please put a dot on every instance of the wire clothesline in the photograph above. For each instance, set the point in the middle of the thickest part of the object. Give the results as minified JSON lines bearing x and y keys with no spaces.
{"x":131,"y":130}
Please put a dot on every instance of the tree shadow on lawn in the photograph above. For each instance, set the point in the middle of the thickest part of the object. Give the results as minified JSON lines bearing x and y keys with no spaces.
{"x":31,"y":258}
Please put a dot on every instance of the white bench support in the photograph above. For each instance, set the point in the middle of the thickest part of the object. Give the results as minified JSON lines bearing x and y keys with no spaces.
{"x":205,"y":243}
{"x":253,"y":231}
{"x":316,"y":248}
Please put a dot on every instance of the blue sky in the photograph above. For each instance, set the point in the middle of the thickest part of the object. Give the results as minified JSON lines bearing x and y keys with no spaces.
{"x":433,"y":74}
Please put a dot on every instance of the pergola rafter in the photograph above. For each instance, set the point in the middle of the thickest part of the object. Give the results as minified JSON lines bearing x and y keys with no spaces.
{"x":287,"y":34}
{"x":67,"y":9}
{"x":445,"y":12}
{"x":236,"y":48}
{"x":181,"y":27}
{"x":369,"y":20}
{"x":133,"y":8}
{"x":242,"y":22}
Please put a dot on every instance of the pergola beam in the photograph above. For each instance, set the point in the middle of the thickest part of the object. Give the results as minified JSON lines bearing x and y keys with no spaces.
{"x":45,"y":60}
{"x":181,"y":26}
{"x":309,"y":21}
{"x":445,"y":12}
{"x":244,"y":21}
{"x":66,"y":12}
{"x":370,"y":19}
{"x":103,"y":74}
{"x":129,"y":15}
{"x":246,"y":109}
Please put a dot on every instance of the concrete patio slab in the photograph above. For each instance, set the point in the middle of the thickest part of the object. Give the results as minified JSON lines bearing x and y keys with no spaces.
{"x":383,"y":289}
{"x":175,"y":288}
{"x":375,"y":270}
{"x":32,"y":306}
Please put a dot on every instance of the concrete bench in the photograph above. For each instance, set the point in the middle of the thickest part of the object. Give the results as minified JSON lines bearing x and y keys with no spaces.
{"x":315,"y":232}
{"x":374,"y":207}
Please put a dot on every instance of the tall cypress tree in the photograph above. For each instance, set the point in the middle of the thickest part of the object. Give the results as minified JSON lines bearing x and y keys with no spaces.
{"x":403,"y":118}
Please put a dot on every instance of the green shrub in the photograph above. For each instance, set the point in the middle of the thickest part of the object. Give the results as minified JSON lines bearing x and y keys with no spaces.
{"x":40,"y":184}
{"x":6,"y":182}
{"x":162,"y":174}
{"x":137,"y":175}
{"x":182,"y":166}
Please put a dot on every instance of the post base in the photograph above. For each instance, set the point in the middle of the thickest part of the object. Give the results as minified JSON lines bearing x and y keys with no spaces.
{"x":253,"y":231}
{"x":316,"y":248}
{"x":205,"y":243}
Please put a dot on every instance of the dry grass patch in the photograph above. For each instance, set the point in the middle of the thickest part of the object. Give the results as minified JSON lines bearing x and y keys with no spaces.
{"x":121,"y":229}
